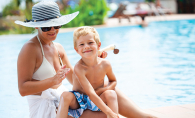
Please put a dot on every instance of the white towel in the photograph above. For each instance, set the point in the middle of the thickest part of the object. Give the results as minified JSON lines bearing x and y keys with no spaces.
{"x":44,"y":106}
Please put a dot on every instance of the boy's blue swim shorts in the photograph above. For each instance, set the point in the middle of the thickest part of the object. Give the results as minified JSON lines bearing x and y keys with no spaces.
{"x":84,"y":102}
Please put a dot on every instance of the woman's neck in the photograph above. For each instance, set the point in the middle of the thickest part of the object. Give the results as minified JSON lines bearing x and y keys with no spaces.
{"x":44,"y":41}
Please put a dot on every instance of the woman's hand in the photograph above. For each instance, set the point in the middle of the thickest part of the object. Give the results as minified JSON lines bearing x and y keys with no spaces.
{"x":104,"y":54}
{"x":60,"y":75}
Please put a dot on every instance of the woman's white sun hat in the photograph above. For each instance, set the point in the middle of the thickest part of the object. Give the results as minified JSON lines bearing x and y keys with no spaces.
{"x":47,"y":14}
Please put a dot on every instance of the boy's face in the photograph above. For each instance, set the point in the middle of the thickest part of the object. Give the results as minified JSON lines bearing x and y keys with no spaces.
{"x":86,"y":46}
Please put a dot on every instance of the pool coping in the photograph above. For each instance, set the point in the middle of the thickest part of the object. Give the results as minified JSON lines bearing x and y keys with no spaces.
{"x":178,"y":111}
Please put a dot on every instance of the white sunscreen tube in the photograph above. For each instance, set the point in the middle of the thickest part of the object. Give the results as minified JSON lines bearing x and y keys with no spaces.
{"x":108,"y":48}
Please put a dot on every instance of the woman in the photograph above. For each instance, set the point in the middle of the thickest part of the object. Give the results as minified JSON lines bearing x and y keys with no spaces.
{"x":42,"y":65}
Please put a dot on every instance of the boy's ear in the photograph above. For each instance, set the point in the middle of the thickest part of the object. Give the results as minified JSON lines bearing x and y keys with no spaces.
{"x":76,"y":50}
{"x":99,"y":45}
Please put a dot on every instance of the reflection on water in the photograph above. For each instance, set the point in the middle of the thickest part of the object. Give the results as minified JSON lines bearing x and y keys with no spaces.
{"x":155,"y":66}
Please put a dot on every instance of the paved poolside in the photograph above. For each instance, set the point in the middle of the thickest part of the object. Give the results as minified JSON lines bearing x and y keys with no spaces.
{"x":179,"y":111}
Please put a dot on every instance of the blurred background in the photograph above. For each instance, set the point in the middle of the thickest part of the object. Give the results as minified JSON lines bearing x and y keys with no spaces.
{"x":92,"y":12}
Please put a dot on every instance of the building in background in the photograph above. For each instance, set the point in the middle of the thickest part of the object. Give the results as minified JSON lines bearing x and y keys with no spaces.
{"x":169,"y":4}
{"x":186,"y":6}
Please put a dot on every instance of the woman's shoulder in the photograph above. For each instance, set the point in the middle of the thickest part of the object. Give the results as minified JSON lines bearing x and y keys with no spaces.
{"x":58,"y":45}
{"x":30,"y":46}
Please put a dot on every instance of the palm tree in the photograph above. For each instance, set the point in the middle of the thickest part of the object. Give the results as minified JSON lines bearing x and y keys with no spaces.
{"x":18,"y":2}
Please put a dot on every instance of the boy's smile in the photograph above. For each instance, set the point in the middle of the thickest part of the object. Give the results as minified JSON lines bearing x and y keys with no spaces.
{"x":87,"y":51}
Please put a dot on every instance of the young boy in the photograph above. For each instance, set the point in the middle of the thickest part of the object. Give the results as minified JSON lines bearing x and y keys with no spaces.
{"x":88,"y":78}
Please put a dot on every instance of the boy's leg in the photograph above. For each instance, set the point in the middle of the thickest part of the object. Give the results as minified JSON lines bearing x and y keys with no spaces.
{"x":110,"y":99}
{"x":67,"y":100}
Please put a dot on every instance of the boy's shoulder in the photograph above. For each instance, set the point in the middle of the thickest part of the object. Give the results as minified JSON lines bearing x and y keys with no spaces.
{"x":79,"y":66}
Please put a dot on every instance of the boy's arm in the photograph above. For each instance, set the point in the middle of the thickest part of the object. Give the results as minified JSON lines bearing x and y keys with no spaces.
{"x":111,"y":78}
{"x":89,"y":90}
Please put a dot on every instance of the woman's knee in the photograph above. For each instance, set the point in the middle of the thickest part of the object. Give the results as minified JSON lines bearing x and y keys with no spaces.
{"x":110,"y":95}
{"x":67,"y":96}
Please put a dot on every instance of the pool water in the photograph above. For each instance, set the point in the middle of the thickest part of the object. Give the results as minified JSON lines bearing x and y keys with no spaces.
{"x":155,"y":66}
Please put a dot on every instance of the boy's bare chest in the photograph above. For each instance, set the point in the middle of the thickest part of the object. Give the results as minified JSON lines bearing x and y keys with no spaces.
{"x":96,"y":76}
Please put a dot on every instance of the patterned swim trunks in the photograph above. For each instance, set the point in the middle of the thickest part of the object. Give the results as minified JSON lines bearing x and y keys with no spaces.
{"x":84,"y":102}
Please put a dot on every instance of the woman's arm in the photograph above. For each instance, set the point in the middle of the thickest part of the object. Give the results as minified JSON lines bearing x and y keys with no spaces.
{"x":66,"y":62}
{"x":26,"y":64}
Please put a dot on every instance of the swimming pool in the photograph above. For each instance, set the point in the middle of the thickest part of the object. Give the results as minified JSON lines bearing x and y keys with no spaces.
{"x":155,"y":66}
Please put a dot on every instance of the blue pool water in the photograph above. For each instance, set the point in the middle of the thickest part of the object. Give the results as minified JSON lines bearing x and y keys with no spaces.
{"x":155,"y":66}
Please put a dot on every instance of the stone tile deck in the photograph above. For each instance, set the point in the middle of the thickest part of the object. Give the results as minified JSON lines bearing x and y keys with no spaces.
{"x":180,"y":111}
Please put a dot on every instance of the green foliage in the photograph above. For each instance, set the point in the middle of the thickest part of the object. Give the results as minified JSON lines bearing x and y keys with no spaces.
{"x":92,"y":12}
{"x":11,"y":9}
{"x":3,"y":32}
{"x":13,"y":28}
{"x":18,"y":29}
{"x":9,"y":25}
{"x":28,"y":11}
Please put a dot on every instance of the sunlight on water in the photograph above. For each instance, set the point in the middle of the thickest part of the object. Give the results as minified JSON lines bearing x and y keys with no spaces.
{"x":155,"y":66}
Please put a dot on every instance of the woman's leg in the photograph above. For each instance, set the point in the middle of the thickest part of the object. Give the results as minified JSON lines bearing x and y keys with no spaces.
{"x":127,"y":107}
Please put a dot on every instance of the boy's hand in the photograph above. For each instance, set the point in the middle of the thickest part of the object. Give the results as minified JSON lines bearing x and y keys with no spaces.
{"x":104,"y":54}
{"x":113,"y":115}
{"x":99,"y":91}
{"x":60,"y":75}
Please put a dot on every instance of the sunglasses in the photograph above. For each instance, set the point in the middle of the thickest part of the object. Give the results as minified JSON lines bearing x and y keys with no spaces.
{"x":45,"y":29}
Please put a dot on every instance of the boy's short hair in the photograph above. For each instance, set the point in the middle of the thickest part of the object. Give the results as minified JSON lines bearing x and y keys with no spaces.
{"x":84,"y":30}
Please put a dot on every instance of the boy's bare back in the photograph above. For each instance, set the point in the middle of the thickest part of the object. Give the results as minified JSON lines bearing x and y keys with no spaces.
{"x":94,"y":74}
